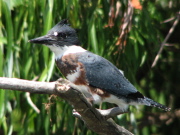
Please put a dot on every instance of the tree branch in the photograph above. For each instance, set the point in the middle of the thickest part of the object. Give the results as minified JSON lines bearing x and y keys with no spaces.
{"x":27,"y":86}
{"x":112,"y":112}
{"x":97,"y":121}
{"x":165,"y":40}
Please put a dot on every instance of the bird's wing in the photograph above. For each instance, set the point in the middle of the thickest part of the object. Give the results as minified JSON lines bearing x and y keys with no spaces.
{"x":103,"y":74}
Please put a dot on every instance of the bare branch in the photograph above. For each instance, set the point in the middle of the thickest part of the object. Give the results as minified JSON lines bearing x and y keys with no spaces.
{"x":27,"y":86}
{"x":112,"y":112}
{"x":93,"y":118}
{"x":165,"y":40}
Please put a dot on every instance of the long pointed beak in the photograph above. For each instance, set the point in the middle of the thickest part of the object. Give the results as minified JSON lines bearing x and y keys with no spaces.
{"x":42,"y":40}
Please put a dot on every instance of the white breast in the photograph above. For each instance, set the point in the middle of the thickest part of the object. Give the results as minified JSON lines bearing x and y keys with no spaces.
{"x":59,"y":51}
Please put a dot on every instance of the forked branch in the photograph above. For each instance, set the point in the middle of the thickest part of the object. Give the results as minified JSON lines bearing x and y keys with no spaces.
{"x":97,"y":121}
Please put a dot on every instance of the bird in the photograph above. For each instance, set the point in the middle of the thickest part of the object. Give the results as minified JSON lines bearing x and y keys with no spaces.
{"x":96,"y":77}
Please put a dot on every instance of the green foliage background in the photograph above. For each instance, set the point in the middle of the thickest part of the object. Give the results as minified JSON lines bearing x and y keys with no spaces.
{"x":21,"y":20}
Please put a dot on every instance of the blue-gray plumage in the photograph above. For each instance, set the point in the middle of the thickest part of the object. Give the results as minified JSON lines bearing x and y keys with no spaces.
{"x":89,"y":73}
{"x":104,"y":75}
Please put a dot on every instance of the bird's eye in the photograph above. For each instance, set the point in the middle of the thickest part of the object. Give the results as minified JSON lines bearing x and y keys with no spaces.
{"x":63,"y":35}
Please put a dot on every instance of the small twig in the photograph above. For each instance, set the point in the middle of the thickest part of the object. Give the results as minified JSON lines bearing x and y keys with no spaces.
{"x":168,"y":20}
{"x":109,"y":113}
{"x":29,"y":100}
{"x":165,"y":40}
{"x":112,"y":112}
{"x":172,"y":18}
{"x":31,"y":103}
{"x":76,"y":114}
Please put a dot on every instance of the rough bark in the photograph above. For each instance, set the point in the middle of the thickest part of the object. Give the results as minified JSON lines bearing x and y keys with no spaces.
{"x":99,"y":121}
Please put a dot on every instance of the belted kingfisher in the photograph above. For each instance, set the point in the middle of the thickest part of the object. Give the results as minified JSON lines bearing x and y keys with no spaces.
{"x":97,"y":78}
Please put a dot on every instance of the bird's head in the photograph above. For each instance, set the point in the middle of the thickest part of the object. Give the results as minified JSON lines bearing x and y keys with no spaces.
{"x":60,"y":35}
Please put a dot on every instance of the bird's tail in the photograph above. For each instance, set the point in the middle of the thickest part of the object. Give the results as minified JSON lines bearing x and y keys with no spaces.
{"x":150,"y":102}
